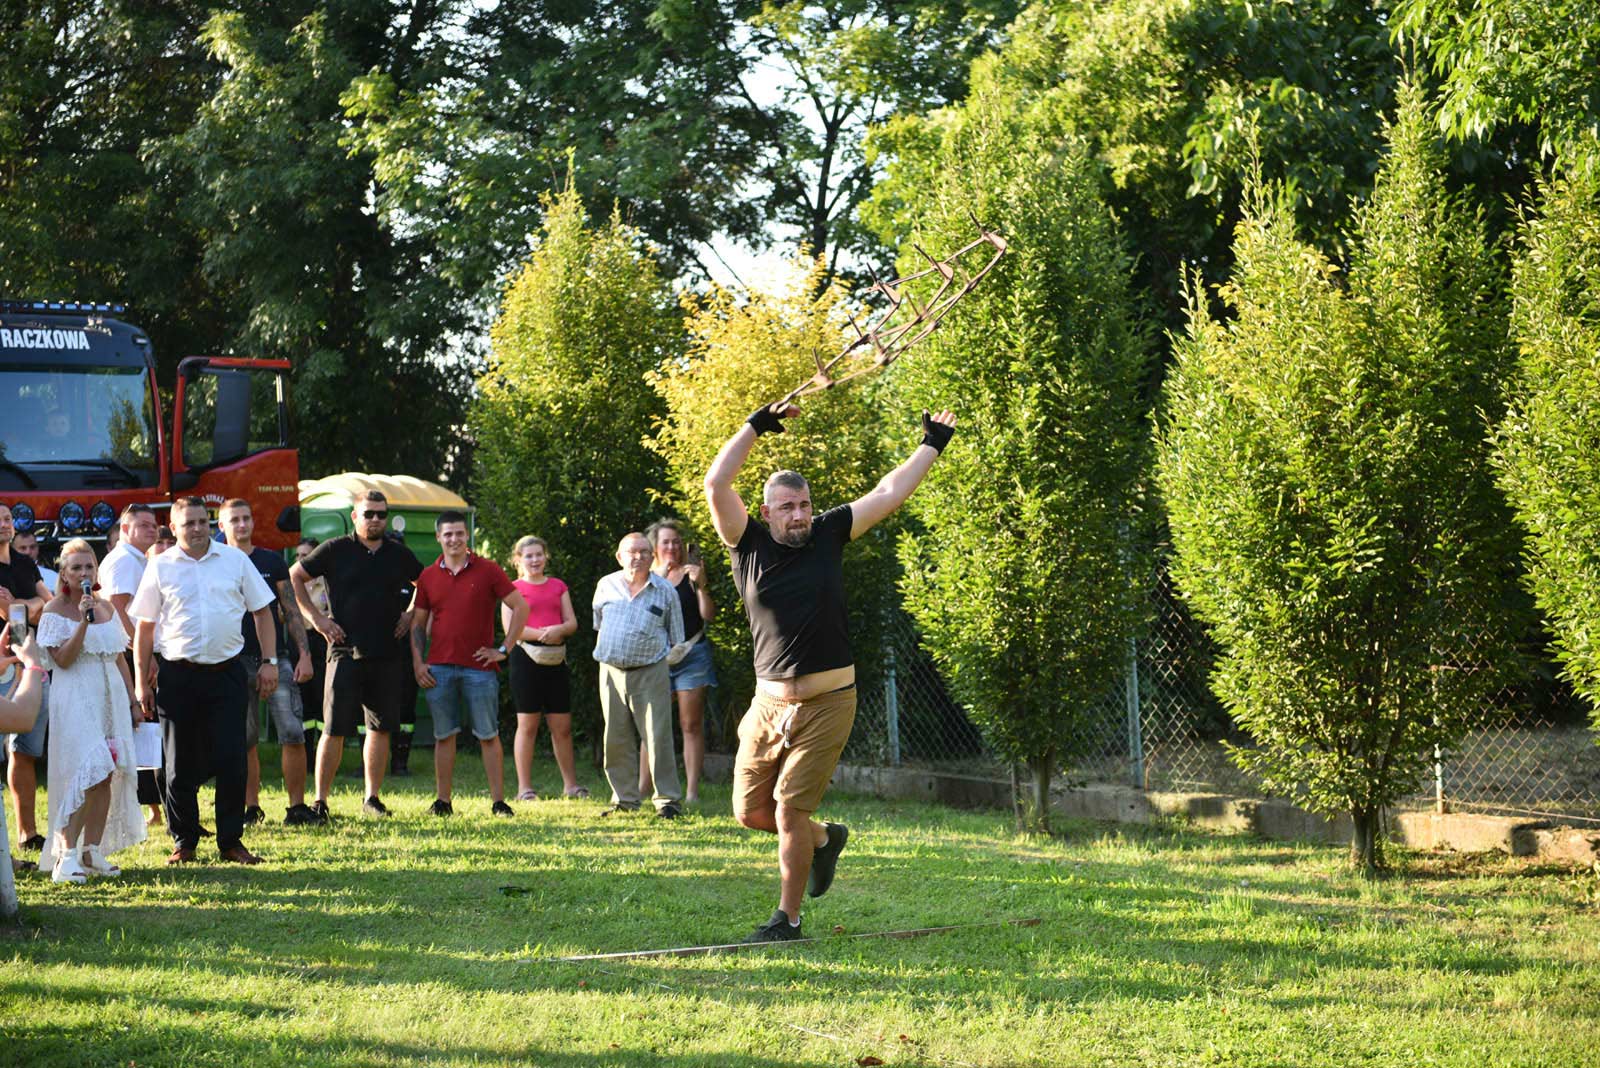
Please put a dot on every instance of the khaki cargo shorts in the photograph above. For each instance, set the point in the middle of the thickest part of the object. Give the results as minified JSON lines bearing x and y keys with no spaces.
{"x":788,"y":749}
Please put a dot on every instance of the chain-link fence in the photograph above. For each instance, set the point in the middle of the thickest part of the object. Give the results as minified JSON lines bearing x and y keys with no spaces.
{"x":1162,"y":729}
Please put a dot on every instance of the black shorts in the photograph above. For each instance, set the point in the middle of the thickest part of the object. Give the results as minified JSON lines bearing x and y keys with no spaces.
{"x":539,"y":688}
{"x":370,"y":687}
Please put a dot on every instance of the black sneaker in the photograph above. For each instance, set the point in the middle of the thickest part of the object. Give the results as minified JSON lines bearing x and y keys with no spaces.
{"x":777,"y":929}
{"x":826,"y":859}
{"x":253,"y":815}
{"x":614,"y":809}
{"x":299,"y":816}
{"x":442,"y":807}
{"x":500,"y":808}
{"x":669,"y":811}
{"x":374,"y":807}
{"x":319,"y":812}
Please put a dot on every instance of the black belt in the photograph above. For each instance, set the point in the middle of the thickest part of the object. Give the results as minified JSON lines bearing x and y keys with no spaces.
{"x":223,"y":666}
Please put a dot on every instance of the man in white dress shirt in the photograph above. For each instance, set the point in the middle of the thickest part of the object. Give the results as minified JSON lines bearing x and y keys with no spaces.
{"x":187,"y":609}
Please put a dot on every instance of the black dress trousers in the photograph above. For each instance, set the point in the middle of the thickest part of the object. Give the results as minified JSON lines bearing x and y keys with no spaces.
{"x":200,"y":708}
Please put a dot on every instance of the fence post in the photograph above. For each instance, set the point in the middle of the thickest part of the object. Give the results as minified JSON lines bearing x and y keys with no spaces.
{"x":891,"y":697}
{"x":1135,"y":732}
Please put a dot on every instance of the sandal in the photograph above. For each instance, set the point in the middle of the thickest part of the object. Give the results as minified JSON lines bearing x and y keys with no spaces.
{"x":578,"y":793}
{"x":528,"y":795}
{"x":67,"y":868}
{"x":95,"y":863}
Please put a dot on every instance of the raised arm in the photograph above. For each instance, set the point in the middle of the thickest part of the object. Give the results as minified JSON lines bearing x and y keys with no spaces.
{"x":728,"y":513}
{"x":893,"y":489}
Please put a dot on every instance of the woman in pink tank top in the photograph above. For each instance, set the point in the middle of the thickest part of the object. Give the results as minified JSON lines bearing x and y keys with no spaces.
{"x":541,"y":690}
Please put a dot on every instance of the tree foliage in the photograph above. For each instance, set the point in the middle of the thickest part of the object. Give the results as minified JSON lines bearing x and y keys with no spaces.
{"x":1325,"y":465}
{"x":1509,"y":62}
{"x":1550,"y":439}
{"x":88,"y":86}
{"x":1162,"y":93}
{"x":317,"y":276}
{"x":1027,"y":578}
{"x":562,"y":409}
{"x":747,"y":352}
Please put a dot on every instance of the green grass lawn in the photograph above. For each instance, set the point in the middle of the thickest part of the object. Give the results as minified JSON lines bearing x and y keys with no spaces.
{"x":386,"y":943}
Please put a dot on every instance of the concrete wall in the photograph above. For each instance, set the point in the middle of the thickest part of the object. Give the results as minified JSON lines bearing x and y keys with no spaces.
{"x":1458,"y":831}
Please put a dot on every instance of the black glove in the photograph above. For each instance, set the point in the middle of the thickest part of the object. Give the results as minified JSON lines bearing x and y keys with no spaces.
{"x":766,"y":421}
{"x":935,"y":435}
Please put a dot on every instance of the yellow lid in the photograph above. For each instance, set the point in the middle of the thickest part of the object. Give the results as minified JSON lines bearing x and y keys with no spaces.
{"x":403,"y":491}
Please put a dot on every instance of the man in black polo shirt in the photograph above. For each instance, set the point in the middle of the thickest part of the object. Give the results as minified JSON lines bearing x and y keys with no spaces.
{"x":365,"y":573}
{"x":789,"y":572}
{"x":20,"y":582}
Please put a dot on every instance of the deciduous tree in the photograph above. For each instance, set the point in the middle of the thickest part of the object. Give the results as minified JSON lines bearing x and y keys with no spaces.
{"x":1027,"y":577}
{"x":1550,"y":439}
{"x":562,"y":410}
{"x":1325,"y":467}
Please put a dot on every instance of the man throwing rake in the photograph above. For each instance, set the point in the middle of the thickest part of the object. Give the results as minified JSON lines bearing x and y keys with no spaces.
{"x":788,"y":569}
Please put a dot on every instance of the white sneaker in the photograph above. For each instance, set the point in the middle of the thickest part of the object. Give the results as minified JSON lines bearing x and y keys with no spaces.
{"x":67,"y":869}
{"x":95,"y":863}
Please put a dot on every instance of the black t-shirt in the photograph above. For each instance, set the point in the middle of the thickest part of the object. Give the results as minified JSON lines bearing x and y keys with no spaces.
{"x":367,"y":591}
{"x":20,"y":576}
{"x":274,"y":570}
{"x":693,"y":622}
{"x":794,"y":598}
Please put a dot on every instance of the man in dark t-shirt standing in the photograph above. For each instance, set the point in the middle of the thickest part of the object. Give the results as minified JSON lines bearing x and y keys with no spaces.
{"x":365,"y":631}
{"x":237,"y":520}
{"x":789,"y":572}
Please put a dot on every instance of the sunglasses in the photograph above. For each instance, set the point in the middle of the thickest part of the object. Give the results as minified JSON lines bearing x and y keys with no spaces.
{"x":375,"y":515}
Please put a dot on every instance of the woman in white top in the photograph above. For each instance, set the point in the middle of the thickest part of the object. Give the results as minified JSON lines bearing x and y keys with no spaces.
{"x":94,"y":804}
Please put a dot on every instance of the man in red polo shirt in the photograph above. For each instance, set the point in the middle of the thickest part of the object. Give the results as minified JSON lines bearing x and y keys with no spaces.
{"x":459,"y":595}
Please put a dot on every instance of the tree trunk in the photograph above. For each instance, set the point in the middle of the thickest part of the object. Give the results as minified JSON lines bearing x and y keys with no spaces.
{"x":1038,"y":803}
{"x":1017,"y":804}
{"x":1366,"y":843}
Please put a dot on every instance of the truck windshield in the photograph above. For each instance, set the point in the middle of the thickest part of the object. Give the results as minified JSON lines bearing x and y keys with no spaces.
{"x":99,"y":416}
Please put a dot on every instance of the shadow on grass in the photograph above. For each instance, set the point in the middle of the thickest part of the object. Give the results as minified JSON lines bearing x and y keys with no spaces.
{"x":1137,"y":915}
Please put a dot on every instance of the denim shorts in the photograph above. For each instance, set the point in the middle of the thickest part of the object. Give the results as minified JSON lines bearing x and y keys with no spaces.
{"x":288,"y":712}
{"x":475,"y":689}
{"x":695,"y":670}
{"x":31,"y":743}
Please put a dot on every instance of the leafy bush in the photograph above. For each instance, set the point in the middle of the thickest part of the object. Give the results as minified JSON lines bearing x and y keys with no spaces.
{"x":742,"y":354}
{"x":563,"y":408}
{"x":1325,"y":464}
{"x":1026,"y":579}
{"x":1550,"y":440}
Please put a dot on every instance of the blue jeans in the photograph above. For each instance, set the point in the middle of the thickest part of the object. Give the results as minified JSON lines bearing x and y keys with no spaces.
{"x":475,"y":689}
{"x":31,"y":742}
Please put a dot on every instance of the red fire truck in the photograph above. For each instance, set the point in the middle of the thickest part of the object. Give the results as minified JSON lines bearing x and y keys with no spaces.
{"x":82,"y":433}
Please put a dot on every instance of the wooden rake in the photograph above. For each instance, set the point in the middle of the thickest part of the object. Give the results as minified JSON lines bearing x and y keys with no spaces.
{"x":902,"y":321}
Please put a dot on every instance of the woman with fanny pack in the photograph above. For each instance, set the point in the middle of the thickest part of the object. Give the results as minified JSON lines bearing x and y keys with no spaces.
{"x":540,"y":687}
{"x":680,"y":565}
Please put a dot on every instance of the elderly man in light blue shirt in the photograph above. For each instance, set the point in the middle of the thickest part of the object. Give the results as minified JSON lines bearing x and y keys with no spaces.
{"x":638,"y":624}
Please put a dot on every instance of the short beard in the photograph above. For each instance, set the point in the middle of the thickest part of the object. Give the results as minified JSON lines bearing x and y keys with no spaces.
{"x":796,"y":540}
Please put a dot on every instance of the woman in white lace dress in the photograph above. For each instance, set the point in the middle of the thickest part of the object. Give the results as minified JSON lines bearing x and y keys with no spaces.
{"x":93,"y":791}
